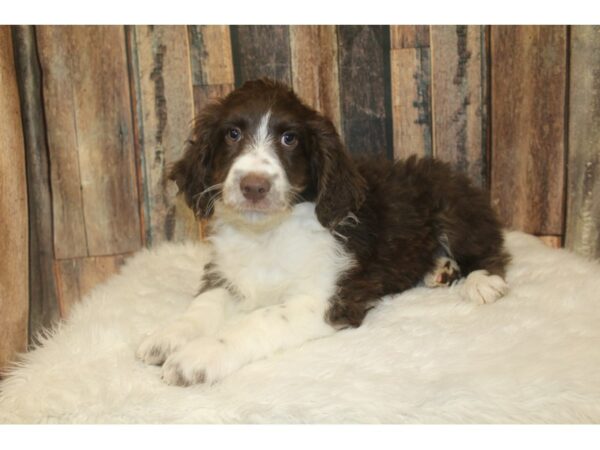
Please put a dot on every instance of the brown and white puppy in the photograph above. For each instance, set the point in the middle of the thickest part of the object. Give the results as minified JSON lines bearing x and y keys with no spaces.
{"x":305,"y":239}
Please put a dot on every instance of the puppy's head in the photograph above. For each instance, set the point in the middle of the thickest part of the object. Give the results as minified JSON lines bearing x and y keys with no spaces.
{"x":259,"y":151}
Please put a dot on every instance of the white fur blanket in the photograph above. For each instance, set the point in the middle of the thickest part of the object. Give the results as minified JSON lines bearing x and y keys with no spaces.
{"x":425,"y":356}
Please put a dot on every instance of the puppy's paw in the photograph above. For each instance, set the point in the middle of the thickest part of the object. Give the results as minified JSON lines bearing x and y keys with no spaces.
{"x":445,"y":273}
{"x":481,"y":287}
{"x":203,"y":360}
{"x":157,"y":347}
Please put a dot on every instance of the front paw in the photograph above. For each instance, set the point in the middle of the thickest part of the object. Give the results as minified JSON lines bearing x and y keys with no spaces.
{"x":157,"y":347}
{"x":203,"y":360}
{"x":481,"y":287}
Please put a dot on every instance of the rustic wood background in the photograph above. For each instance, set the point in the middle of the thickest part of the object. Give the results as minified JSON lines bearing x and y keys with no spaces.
{"x":91,"y":117}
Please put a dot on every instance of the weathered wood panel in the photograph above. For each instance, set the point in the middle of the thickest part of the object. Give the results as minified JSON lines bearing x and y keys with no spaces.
{"x":90,"y":138}
{"x":411,"y":90}
{"x":78,"y":276}
{"x":409,"y":36}
{"x":211,"y":57}
{"x":365,"y":95}
{"x":59,"y":105}
{"x":411,"y":102}
{"x":261,"y":51}
{"x":528,"y":115}
{"x":14,"y":279}
{"x":162,"y":85}
{"x":211,"y":62}
{"x":582,"y":232}
{"x":458,"y":97}
{"x":43,"y":304}
{"x":315,"y":75}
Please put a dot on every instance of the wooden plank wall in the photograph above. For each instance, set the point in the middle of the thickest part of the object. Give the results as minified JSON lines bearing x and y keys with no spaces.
{"x":14,"y":292}
{"x":90,"y":135}
{"x":459,"y":89}
{"x":365,"y":91}
{"x":163,"y":109}
{"x":529,"y":73}
{"x":43,"y":295}
{"x":411,"y":90}
{"x":582,"y":232}
{"x":106,"y":110}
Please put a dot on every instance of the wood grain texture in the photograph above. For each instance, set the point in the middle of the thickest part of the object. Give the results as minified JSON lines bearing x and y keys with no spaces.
{"x":364,"y":68}
{"x":409,"y":36}
{"x":459,"y":103}
{"x":552,"y":241}
{"x":211,"y":62}
{"x":78,"y":276}
{"x":211,"y":57}
{"x":528,"y":116}
{"x":43,"y":300}
{"x":261,"y":51}
{"x":55,"y":48}
{"x":411,"y":102}
{"x":14,"y":278}
{"x":315,"y":75}
{"x":582,"y":232}
{"x":90,"y":137}
{"x":160,"y":68}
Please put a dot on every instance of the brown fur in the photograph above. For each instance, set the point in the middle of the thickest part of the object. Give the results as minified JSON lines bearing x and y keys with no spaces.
{"x":404,"y":208}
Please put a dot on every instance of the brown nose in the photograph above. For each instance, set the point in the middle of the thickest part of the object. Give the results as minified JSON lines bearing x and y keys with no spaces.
{"x":255,"y":187}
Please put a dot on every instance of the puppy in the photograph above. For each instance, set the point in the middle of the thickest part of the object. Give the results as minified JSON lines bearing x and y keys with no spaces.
{"x":305,"y":239}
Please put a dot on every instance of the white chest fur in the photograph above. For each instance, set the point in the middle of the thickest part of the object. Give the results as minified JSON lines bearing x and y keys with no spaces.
{"x":296,"y":257}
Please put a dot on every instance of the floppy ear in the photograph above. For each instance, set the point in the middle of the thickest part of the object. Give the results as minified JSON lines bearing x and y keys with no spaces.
{"x":340,"y":187}
{"x":191,"y":172}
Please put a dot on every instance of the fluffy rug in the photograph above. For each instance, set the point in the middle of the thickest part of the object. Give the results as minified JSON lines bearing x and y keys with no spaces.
{"x":425,"y":356}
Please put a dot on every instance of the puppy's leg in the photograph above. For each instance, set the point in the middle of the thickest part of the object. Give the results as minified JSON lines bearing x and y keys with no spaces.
{"x":478,"y":248}
{"x":248,"y":338}
{"x":445,"y":272}
{"x":487,"y":284}
{"x":204,"y":316}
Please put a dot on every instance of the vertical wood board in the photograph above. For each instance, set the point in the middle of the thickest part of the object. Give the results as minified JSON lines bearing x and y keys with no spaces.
{"x":315,"y":74}
{"x":43,"y":311}
{"x":160,"y":63}
{"x":55,"y":48}
{"x":211,"y":56}
{"x":411,"y":102}
{"x":364,"y":70}
{"x":528,"y":126}
{"x":409,"y":36}
{"x":87,"y":101}
{"x":459,"y":104}
{"x":14,"y":277}
{"x":261,"y":51}
{"x":211,"y":62}
{"x":582,"y":232}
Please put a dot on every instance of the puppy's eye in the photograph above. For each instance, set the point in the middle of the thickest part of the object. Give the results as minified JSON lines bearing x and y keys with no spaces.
{"x":289,"y":139}
{"x":233,"y":134}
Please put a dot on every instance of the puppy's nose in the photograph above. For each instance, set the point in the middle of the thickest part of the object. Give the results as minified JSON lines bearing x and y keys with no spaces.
{"x":255,"y":187}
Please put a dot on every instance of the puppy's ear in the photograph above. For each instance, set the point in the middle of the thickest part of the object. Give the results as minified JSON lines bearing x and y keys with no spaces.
{"x":340,"y":189}
{"x":191,"y":172}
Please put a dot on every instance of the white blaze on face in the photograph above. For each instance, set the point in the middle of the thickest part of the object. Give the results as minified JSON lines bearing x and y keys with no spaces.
{"x":260,"y":158}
